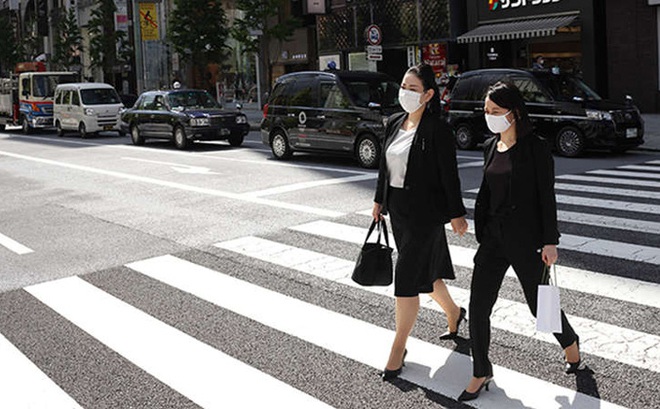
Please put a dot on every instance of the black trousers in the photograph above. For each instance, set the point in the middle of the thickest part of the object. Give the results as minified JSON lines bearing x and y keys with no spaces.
{"x":494,"y":256}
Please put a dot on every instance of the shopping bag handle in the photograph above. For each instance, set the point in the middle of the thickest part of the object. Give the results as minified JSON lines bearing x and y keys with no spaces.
{"x":546,"y":276}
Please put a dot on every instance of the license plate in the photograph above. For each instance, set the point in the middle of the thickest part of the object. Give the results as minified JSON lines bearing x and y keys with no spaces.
{"x":631,"y":133}
{"x":107,"y":128}
{"x":224,"y":131}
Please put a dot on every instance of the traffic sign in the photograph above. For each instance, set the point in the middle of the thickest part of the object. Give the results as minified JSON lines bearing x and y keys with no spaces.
{"x":375,"y":57}
{"x":375,"y":49}
{"x":374,"y":35}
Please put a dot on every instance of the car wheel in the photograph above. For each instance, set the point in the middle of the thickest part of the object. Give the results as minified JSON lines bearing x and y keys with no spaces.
{"x":82,"y":129}
{"x":570,"y":142}
{"x":367,"y":151}
{"x":465,"y":137}
{"x":2,"y":127}
{"x":25,"y":125}
{"x":136,"y":137}
{"x":279,"y":145}
{"x":180,"y":140}
{"x":236,"y":140}
{"x":58,"y":127}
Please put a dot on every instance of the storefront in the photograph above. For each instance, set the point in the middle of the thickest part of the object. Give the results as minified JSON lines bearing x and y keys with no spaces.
{"x":569,"y":34}
{"x":390,"y":35}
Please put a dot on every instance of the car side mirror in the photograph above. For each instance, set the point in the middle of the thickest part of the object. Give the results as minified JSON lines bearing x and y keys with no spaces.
{"x":578,"y":99}
{"x":373,"y":105}
{"x":26,"y":93}
{"x":239,"y":106}
{"x":629,"y":100}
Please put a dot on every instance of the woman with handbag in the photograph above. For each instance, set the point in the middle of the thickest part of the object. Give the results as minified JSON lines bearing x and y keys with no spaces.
{"x":418,"y":185}
{"x":515,"y":224}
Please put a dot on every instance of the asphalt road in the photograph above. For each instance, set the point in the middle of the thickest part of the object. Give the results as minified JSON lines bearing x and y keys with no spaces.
{"x":147,"y":277}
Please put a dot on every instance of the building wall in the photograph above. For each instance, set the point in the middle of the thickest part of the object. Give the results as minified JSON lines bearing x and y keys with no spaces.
{"x":632,"y":52}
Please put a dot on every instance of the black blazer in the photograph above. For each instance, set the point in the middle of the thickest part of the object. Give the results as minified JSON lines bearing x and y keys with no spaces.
{"x":532,"y":217}
{"x":432,"y":174}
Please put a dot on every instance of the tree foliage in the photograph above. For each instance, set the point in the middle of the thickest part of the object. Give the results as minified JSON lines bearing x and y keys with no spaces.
{"x":10,"y":52}
{"x":260,"y":15}
{"x":198,"y":31}
{"x":68,"y":42}
{"x":107,"y":47}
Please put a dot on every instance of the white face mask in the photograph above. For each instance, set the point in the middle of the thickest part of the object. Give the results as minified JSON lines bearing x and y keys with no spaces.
{"x":410,"y":100}
{"x":498,"y":123}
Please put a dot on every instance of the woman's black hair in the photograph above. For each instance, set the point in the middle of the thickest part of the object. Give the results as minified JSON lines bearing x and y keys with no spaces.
{"x":425,"y":74}
{"x":508,"y":96}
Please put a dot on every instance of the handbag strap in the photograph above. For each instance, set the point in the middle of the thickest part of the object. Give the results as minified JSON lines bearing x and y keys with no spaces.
{"x":549,"y":274}
{"x":382,"y":229}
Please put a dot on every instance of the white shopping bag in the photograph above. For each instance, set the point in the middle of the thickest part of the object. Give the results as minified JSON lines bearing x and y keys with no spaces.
{"x":548,"y":308}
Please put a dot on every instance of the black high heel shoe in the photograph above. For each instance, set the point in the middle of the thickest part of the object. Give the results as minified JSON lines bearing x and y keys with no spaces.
{"x":453,"y":335}
{"x":466,"y":396}
{"x":391,"y":374}
{"x":573,"y":367}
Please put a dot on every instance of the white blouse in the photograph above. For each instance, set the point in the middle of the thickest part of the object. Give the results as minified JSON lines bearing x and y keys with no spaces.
{"x":397,"y":156}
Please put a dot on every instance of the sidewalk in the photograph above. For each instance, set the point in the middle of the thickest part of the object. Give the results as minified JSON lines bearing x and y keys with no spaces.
{"x":651,"y":126}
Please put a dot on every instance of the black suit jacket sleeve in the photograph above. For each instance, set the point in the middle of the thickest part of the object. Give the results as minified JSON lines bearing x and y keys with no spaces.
{"x":448,"y":168}
{"x":545,"y":182}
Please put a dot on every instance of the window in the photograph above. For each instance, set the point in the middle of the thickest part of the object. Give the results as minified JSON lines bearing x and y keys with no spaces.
{"x":147,"y":102}
{"x":159,"y":103}
{"x":66,"y":97}
{"x":75,"y":98}
{"x":99,"y":96}
{"x":332,"y":97}
{"x":280,"y":96}
{"x":190,"y":99}
{"x":304,"y":93}
{"x":373,"y":90}
{"x":530,"y":91}
{"x":58,"y":97}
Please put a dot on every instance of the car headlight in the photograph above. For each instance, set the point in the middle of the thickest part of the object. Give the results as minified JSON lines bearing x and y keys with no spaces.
{"x":598,"y":115}
{"x":89,"y":112}
{"x":241,"y":119}
{"x":199,"y":121}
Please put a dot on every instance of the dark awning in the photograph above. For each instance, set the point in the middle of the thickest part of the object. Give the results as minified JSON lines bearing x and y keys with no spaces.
{"x":537,"y":27}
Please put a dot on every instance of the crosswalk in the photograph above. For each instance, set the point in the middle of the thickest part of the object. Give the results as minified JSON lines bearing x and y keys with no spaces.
{"x":275,"y":321}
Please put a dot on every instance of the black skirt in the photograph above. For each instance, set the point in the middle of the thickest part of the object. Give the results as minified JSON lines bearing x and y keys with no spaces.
{"x":423,"y":253}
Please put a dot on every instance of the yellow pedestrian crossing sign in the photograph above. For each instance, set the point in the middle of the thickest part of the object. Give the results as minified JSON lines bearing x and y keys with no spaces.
{"x":149,"y":21}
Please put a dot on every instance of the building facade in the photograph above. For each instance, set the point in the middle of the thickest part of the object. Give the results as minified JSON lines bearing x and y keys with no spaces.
{"x":599,"y":40}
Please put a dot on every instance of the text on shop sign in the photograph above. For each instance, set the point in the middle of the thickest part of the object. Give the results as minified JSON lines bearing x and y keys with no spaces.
{"x":505,"y":4}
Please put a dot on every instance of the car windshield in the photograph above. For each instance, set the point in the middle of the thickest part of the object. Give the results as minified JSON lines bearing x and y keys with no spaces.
{"x":382,"y":92}
{"x":43,"y":85}
{"x":568,"y":88}
{"x":99,"y":96}
{"x":191,"y":100}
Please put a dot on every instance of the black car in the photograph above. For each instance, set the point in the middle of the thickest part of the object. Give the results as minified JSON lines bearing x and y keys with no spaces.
{"x":563,"y":109}
{"x":182,"y":116}
{"x":330,"y":112}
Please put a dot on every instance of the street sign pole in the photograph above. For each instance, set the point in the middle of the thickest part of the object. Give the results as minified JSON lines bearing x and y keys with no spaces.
{"x":137,"y":41}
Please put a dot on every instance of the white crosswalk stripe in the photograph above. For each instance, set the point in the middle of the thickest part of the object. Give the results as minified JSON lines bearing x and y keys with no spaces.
{"x":196,"y":369}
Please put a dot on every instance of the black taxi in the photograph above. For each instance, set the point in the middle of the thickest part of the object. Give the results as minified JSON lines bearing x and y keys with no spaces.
{"x":563,"y":109}
{"x":330,"y":112}
{"x":182,"y":116}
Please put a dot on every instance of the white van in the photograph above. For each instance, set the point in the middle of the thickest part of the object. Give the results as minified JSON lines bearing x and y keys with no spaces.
{"x":86,"y":108}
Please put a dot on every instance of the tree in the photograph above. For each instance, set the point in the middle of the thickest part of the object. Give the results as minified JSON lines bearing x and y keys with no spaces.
{"x":198,"y":32}
{"x":10,"y":53}
{"x":108,"y":47}
{"x":68,"y":42}
{"x":259,"y":15}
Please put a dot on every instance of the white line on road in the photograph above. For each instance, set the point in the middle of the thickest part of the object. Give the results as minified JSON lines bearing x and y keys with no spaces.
{"x":176,"y":166}
{"x":308,"y":185}
{"x":608,"y":190}
{"x":613,"y":181}
{"x":640,"y":167}
{"x":643,"y":350}
{"x":13,"y":245}
{"x":25,"y":386}
{"x":624,"y":173}
{"x":180,"y":186}
{"x":203,"y":374}
{"x":603,"y":203}
{"x":619,"y":288}
{"x":430,"y":366}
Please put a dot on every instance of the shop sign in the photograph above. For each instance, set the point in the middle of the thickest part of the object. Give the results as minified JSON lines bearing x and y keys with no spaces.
{"x":505,"y":4}
{"x":492,"y":54}
{"x":435,"y":55}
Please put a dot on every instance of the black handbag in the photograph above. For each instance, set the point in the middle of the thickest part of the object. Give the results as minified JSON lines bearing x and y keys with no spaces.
{"x":374,"y":264}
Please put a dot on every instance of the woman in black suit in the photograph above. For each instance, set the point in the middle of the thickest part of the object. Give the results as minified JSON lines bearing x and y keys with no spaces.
{"x":418,"y":185}
{"x":515,"y":221}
